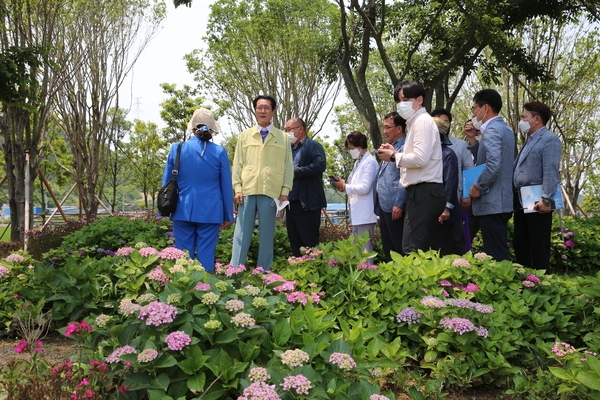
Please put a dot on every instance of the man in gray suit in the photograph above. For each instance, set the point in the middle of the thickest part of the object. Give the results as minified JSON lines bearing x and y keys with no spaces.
{"x":537,"y":164}
{"x":389,"y":195}
{"x":492,"y":191}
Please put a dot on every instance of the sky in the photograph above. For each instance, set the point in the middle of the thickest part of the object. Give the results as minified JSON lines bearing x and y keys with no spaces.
{"x":162,"y":61}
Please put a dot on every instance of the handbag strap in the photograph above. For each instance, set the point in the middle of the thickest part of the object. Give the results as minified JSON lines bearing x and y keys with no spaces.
{"x":176,"y":169}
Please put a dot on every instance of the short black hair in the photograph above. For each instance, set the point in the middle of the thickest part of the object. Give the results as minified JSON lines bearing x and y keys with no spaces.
{"x":539,"y":108}
{"x":411,"y":90}
{"x":490,"y":97}
{"x":264,"y":97}
{"x":441,"y":111}
{"x":398,"y":120}
{"x":357,"y":139}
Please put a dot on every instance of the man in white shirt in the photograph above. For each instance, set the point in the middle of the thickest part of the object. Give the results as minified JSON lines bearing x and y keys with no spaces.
{"x":421,"y":168}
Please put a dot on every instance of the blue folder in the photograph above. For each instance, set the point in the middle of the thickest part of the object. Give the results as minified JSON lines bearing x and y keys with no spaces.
{"x":470,"y":175}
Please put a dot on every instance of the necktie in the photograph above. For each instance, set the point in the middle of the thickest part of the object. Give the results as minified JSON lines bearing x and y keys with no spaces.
{"x":264,"y":132}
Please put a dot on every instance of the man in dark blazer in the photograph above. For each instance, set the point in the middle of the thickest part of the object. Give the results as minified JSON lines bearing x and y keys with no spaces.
{"x":307,"y":197}
{"x":537,"y":164}
{"x":492,"y":191}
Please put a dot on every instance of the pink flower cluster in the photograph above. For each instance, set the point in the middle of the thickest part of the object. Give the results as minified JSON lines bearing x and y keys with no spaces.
{"x":294,"y":358}
{"x":342,"y":360}
{"x":461,"y":262}
{"x":532,"y":278}
{"x":286,"y":286}
{"x":259,"y":374}
{"x":124,"y":251}
{"x":115,"y":356}
{"x":259,"y":391}
{"x":366,"y":265}
{"x":310,"y":255}
{"x":127,"y":306}
{"x":243,"y":320}
{"x":334,"y":262}
{"x":433,"y":302}
{"x":3,"y":271}
{"x":463,"y":325}
{"x":22,"y":346}
{"x":203,"y":286}
{"x":171,"y":253}
{"x":377,"y":397}
{"x":157,"y":274}
{"x":468,"y":304}
{"x":234,"y":305}
{"x":481,"y":256}
{"x":177,"y":340}
{"x":229,"y":270}
{"x":15,"y":258}
{"x":148,"y":251}
{"x":75,"y":328}
{"x":298,"y":382}
{"x":158,"y":313}
{"x":147,"y":355}
{"x":301,"y":297}
{"x":470,"y":288}
{"x":562,"y":349}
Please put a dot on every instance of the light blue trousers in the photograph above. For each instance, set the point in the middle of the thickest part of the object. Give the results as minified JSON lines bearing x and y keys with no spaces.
{"x":244,"y":228}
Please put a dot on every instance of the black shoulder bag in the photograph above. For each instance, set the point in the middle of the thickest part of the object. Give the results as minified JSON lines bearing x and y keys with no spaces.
{"x":169,"y":194}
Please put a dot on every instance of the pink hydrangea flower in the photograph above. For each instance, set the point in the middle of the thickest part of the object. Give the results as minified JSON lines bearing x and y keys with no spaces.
{"x":203,"y":286}
{"x":124,"y":251}
{"x":148,"y":251}
{"x":3,"y":271}
{"x":177,"y":340}
{"x":171,"y":253}
{"x":461,"y":262}
{"x":75,"y":328}
{"x":158,"y":313}
{"x":115,"y":356}
{"x":342,"y":360}
{"x":15,"y":258}
{"x":157,"y":274}
{"x":259,"y":391}
{"x":298,"y":382}
{"x":294,"y":358}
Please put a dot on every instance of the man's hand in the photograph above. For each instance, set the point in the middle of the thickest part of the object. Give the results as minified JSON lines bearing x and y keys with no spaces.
{"x":340,"y":184}
{"x":239,"y":198}
{"x":465,"y":204}
{"x":444,"y":216}
{"x":386,"y":151}
{"x":282,"y":198}
{"x":396,"y":213}
{"x":474,"y":192}
{"x":542,"y":208}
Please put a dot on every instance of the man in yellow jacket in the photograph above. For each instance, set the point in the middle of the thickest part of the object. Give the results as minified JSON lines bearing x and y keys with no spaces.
{"x":263,"y":173}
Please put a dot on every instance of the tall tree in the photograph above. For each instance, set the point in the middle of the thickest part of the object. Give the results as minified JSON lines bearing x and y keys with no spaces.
{"x":103,"y":39}
{"x":275,"y":47}
{"x":28,"y":30}
{"x":147,"y":154}
{"x":438,"y":43}
{"x":178,"y":109}
{"x":117,"y":159}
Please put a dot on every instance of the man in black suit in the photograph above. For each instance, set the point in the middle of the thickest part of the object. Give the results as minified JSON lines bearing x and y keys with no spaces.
{"x":307,"y":198}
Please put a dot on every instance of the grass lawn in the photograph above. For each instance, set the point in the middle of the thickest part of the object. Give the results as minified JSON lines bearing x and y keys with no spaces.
{"x":6,"y":236}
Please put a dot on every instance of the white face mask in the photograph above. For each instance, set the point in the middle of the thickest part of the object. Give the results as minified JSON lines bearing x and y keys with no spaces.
{"x":476,"y":122}
{"x":524,"y":126}
{"x":354,"y":153}
{"x":405,"y":109}
{"x":292,"y":137}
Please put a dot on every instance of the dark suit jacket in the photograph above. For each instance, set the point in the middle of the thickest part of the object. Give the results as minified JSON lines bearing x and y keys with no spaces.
{"x":308,"y":175}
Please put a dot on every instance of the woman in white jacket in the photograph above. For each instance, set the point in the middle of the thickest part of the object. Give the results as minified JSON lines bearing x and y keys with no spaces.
{"x":360,"y":187}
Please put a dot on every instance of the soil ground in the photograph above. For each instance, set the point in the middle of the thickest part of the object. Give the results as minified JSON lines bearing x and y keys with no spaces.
{"x":58,"y":348}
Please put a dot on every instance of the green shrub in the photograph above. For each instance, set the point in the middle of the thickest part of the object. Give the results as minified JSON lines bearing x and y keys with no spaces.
{"x":51,"y":236}
{"x":576,"y":247}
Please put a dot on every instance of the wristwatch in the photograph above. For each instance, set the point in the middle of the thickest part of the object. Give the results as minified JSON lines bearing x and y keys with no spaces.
{"x":547,"y":202}
{"x":393,"y":158}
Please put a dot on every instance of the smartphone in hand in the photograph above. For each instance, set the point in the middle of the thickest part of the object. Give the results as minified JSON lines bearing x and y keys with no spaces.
{"x":332,"y":178}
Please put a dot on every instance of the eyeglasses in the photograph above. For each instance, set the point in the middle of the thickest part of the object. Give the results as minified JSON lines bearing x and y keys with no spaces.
{"x":292,"y":129}
{"x":388,"y":127}
{"x":263,"y":108}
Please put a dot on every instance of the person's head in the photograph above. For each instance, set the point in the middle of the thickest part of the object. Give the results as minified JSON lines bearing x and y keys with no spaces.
{"x":443,"y":128}
{"x":535,"y":115}
{"x":393,"y":127}
{"x":203,"y":124}
{"x":296,"y":130}
{"x":264,"y":109}
{"x":409,"y":97}
{"x":442,"y":113}
{"x":487,"y":104}
{"x":356,"y":143}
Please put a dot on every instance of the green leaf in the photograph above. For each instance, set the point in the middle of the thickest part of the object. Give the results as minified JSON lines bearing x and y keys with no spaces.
{"x":589,"y":379}
{"x":165,"y":361}
{"x":196,"y":383}
{"x":561,"y":373}
{"x":282,"y":332}
{"x":227,"y":336}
